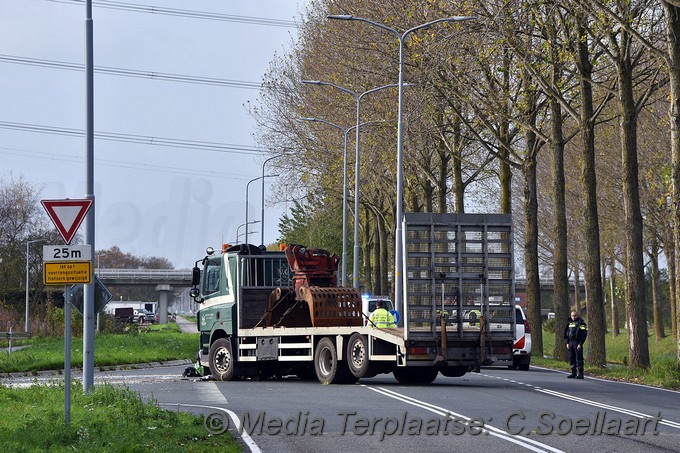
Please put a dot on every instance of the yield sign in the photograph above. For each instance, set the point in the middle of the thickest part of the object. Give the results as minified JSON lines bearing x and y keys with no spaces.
{"x":67,"y":215}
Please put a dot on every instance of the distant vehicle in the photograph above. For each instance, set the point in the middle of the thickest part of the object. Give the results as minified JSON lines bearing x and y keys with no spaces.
{"x":125,"y":314}
{"x":141,"y":316}
{"x":521,"y":357}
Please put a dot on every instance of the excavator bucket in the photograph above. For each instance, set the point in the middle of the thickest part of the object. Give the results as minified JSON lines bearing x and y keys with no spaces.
{"x":332,"y":307}
{"x":285,"y":311}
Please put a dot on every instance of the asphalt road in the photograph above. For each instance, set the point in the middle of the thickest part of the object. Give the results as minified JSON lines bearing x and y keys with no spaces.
{"x":496,"y":410}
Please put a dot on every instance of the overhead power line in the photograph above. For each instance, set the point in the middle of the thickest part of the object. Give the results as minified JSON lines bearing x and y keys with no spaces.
{"x":131,"y":72}
{"x":187,"y":13}
{"x":132,"y":138}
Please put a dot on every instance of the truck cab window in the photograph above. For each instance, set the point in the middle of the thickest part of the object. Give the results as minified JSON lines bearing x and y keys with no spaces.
{"x":213,"y":271}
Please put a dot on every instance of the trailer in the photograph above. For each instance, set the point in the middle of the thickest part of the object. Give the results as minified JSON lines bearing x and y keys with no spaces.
{"x":265,"y":314}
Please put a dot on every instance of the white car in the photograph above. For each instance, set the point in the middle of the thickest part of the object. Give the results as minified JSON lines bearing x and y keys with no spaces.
{"x":522,"y":348}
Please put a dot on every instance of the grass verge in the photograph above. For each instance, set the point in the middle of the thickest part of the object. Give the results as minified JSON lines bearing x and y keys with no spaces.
{"x":662,"y":373}
{"x":106,"y":419}
{"x":153,"y":344}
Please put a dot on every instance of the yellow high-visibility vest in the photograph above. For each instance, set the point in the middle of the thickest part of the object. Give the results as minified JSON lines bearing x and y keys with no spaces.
{"x":383,"y":319}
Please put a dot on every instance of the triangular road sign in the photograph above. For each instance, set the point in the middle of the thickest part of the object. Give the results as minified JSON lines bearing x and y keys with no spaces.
{"x":67,"y":215}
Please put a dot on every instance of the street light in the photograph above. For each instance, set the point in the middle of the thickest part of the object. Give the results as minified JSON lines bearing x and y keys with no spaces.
{"x":27,"y":324}
{"x":238,"y":235}
{"x":247,"y":188}
{"x":398,"y":260}
{"x":345,"y":133}
{"x":262,"y":205}
{"x":357,"y":96}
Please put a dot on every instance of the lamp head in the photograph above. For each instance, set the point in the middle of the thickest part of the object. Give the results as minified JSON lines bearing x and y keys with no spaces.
{"x":340,"y":17}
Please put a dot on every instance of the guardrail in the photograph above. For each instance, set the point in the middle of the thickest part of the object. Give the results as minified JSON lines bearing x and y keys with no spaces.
{"x":9,"y":336}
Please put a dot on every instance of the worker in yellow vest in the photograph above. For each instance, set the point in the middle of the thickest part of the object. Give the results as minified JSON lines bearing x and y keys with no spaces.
{"x":382,"y":318}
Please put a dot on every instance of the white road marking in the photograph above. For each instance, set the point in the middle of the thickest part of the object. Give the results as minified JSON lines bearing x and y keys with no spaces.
{"x":529,"y":444}
{"x":212,"y":393}
{"x":578,"y":399}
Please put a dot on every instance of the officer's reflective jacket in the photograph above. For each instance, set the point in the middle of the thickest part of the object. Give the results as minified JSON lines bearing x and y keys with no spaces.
{"x":576,"y":330}
{"x":382,"y":319}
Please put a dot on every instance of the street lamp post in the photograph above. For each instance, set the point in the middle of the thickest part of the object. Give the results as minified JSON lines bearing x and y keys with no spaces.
{"x":238,"y":235}
{"x":247,"y":188}
{"x":262,"y":205}
{"x":357,"y":179}
{"x":398,"y":259}
{"x":345,"y":133}
{"x":27,"y":323}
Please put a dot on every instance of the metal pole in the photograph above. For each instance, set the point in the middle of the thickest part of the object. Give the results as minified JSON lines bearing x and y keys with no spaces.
{"x":246,"y":224}
{"x":344,"y":211}
{"x":398,"y":259}
{"x":357,"y":186}
{"x":67,"y":355}
{"x":27,"y":324}
{"x":357,"y":175}
{"x":88,"y":290}
{"x":262,"y":206}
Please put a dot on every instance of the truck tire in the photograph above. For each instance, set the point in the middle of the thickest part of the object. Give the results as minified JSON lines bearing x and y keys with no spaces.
{"x":415,"y":375}
{"x":221,"y":360}
{"x":330,"y":370}
{"x":357,"y":357}
{"x":454,"y":371}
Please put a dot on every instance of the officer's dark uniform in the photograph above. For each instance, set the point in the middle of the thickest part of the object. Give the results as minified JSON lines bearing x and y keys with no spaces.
{"x":575,"y":334}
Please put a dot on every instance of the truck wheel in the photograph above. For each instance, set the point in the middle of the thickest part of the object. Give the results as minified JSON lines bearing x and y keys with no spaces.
{"x":330,"y":370}
{"x":357,"y":355}
{"x":415,"y":375}
{"x":221,"y":360}
{"x":454,"y":371}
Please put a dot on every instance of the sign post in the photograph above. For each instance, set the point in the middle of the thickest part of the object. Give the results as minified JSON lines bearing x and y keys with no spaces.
{"x":65,"y":264}
{"x":67,"y":355}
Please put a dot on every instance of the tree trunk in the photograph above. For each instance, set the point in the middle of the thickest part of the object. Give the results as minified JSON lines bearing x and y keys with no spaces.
{"x":672,"y":14}
{"x":612,"y":291}
{"x":656,"y":302}
{"x":366,"y":252}
{"x":533,"y":283}
{"x":560,"y":272}
{"x":457,"y":186}
{"x":577,"y":288}
{"x":383,"y":241}
{"x":634,"y":274}
{"x":505,"y":172}
{"x":669,"y":251}
{"x":593,"y":279}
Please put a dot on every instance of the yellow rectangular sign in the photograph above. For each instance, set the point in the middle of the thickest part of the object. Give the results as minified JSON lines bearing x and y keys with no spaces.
{"x":67,"y":272}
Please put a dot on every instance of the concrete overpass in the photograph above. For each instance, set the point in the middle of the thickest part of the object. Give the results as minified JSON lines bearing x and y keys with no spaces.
{"x":162,"y":279}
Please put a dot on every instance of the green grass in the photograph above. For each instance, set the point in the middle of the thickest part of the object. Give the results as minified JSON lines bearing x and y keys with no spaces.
{"x":663,"y":372}
{"x":106,"y":419}
{"x":154,"y":344}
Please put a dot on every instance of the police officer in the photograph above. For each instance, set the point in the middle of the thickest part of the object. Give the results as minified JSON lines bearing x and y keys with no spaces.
{"x":382,"y":318}
{"x":575,"y":335}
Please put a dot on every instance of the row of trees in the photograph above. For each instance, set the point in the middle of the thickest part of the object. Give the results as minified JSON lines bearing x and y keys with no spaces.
{"x":565,"y":111}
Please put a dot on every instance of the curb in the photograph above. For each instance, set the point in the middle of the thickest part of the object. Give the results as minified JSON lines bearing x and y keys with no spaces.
{"x":103,"y":368}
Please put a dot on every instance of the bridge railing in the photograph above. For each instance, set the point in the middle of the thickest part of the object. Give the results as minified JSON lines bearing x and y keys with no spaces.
{"x":145,"y":274}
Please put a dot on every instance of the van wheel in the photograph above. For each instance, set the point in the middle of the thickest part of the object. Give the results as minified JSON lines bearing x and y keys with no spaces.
{"x":330,"y":370}
{"x":221,"y":360}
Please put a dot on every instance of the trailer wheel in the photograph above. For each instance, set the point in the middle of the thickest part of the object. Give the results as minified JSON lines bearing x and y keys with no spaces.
{"x":330,"y":370}
{"x":454,"y":371}
{"x":221,"y":360}
{"x":415,"y":375}
{"x":357,"y":356}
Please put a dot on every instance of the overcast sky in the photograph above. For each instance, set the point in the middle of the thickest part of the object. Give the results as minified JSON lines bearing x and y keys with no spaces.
{"x":151,"y":200}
